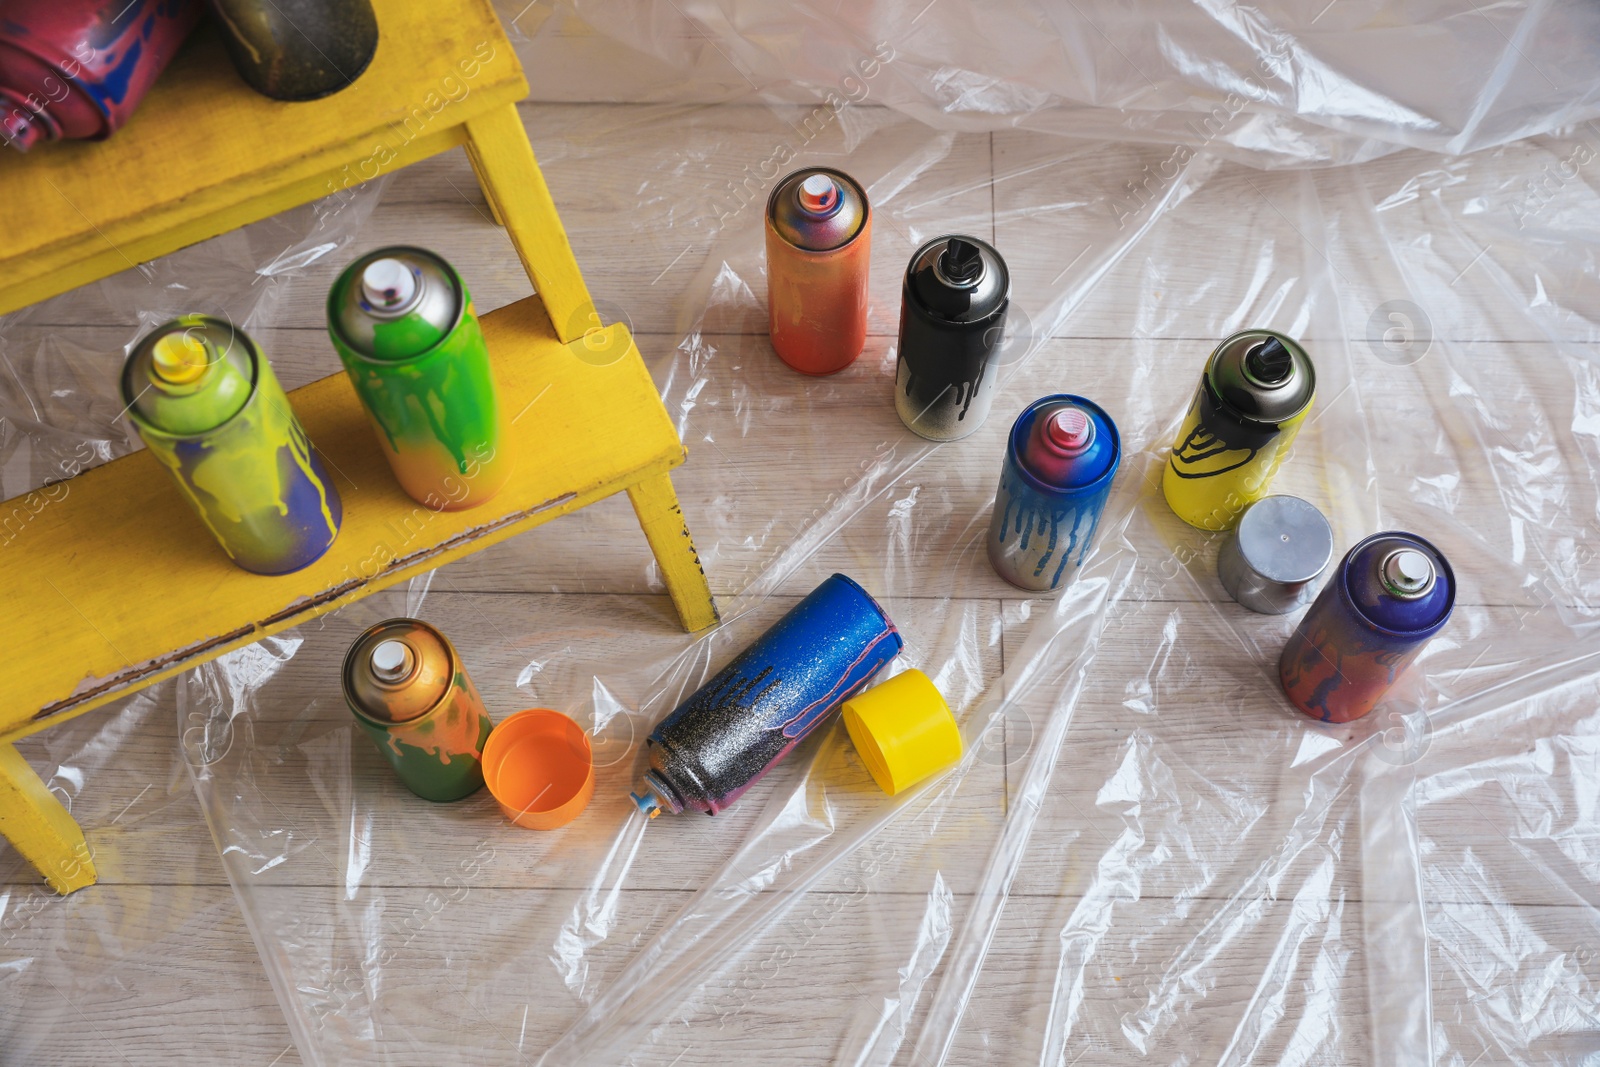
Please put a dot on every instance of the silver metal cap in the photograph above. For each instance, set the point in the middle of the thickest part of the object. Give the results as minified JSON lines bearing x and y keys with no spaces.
{"x":1271,"y":561}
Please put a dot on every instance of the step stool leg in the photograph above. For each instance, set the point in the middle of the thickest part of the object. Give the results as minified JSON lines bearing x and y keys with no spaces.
{"x":36,"y":824}
{"x":483,"y":183}
{"x":657,"y":507}
{"x":503,"y":160}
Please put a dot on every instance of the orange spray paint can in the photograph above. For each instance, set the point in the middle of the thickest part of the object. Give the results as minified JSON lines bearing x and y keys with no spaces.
{"x":819,"y":241}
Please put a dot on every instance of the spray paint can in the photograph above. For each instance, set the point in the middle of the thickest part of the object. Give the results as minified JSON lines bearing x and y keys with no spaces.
{"x":409,"y":692}
{"x":819,"y":240}
{"x":298,"y":49}
{"x":952,"y":321}
{"x":1061,"y":458}
{"x":206,"y":403}
{"x":1254,"y":394}
{"x":76,"y":69}
{"x":1392,"y":592}
{"x":734,"y":728}
{"x":403,"y":324}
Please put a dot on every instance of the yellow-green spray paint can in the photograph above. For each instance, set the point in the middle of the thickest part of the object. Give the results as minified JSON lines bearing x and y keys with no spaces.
{"x":207,"y":405}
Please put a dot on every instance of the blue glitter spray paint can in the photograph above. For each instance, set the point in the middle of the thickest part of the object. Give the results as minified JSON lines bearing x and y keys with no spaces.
{"x":734,"y":728}
{"x":1393,"y":592}
{"x":1061,"y":458}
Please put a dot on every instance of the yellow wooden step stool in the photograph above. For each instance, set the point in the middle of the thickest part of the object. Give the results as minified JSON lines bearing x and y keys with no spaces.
{"x":202,"y":156}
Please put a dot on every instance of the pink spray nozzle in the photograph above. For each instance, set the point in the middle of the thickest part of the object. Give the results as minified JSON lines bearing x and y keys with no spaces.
{"x":1070,"y":430}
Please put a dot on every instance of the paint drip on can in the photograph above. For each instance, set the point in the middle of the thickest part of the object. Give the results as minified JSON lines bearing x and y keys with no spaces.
{"x":953,"y":307}
{"x":405,"y":684}
{"x":77,"y":69}
{"x":402,"y":321}
{"x":774,"y":694}
{"x":819,"y":243}
{"x":1253,"y":396}
{"x":1392,"y":592}
{"x":205,"y":402}
{"x":1061,"y":458}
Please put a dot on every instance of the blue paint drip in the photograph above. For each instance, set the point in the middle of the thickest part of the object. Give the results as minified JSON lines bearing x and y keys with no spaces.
{"x":113,"y":84}
{"x":1039,"y":530}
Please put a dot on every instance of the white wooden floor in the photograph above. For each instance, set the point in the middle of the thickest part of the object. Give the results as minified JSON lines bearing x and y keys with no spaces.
{"x":1195,"y":887}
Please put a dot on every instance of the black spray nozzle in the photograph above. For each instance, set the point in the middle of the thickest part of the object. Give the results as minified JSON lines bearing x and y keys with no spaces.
{"x":962,"y":262}
{"x":1269,"y":362}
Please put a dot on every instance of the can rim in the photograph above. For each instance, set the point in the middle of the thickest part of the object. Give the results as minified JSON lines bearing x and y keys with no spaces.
{"x":60,"y":60}
{"x":884,"y":615}
{"x":1448,"y":573}
{"x":1015,"y":443}
{"x":866,"y":210}
{"x":1235,"y":413}
{"x":456,"y":284}
{"x":258,"y":363}
{"x":1001,"y":306}
{"x":349,"y":664}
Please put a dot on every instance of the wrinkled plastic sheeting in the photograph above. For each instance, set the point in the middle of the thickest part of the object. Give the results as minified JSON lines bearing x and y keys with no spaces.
{"x":161,"y":927}
{"x":1145,"y":854}
{"x":1272,"y":84}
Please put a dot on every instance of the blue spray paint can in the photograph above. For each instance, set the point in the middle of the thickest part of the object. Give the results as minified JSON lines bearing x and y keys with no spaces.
{"x":1060,"y":461}
{"x":737,"y":726}
{"x":1393,"y":591}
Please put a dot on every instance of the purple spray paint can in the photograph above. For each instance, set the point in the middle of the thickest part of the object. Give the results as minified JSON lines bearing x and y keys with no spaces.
{"x":1392,"y":592}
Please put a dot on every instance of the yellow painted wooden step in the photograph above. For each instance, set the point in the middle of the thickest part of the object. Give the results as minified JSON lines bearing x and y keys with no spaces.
{"x":109,"y":581}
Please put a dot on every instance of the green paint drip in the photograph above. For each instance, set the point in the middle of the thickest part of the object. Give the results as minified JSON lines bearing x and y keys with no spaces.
{"x":430,"y":395}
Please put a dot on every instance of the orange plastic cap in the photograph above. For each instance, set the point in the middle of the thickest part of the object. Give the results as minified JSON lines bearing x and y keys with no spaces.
{"x":539,"y":766}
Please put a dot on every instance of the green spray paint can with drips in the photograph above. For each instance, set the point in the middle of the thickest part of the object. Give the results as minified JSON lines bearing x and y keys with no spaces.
{"x":402,"y":322}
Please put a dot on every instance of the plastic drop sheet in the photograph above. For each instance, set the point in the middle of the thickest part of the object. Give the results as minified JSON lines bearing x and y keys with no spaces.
{"x":1145,"y":855}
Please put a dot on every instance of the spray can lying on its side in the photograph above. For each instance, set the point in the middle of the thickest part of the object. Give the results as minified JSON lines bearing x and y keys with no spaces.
{"x":206,"y":403}
{"x":734,"y":728}
{"x":1253,"y":396}
{"x":1391,"y":593}
{"x":1061,"y":458}
{"x":819,"y":242}
{"x":76,"y":69}
{"x":405,"y":684}
{"x":402,"y":322}
{"x":953,"y":307}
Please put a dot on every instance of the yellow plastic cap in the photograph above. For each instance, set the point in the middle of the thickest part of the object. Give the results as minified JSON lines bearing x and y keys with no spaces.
{"x":903,"y":730}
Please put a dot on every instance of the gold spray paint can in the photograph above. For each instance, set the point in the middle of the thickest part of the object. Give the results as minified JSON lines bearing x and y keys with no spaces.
{"x":407,"y":688}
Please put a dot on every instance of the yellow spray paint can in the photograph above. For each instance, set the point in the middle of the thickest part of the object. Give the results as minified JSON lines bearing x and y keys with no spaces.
{"x":1253,"y":397}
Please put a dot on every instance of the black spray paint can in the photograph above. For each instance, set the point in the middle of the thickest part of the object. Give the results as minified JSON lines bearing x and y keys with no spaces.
{"x":952,"y":320}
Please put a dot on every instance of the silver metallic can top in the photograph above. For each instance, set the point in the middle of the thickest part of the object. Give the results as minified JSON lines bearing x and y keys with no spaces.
{"x":395,"y":302}
{"x":1272,"y":559}
{"x":818,"y":209}
{"x":959,"y":279}
{"x":1262,"y":376}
